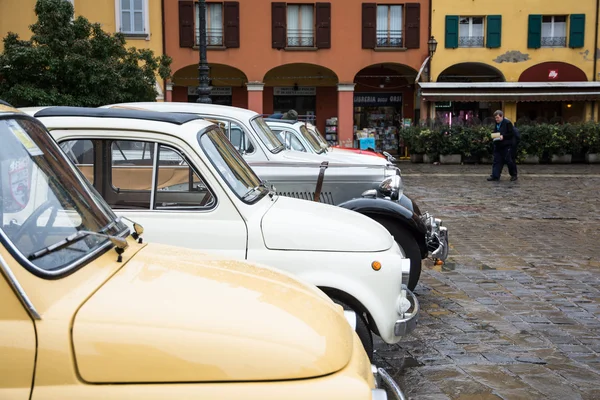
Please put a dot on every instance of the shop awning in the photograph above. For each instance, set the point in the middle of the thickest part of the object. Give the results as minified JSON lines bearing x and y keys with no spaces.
{"x":510,"y":91}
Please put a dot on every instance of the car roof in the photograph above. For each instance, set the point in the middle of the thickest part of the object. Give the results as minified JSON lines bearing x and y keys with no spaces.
{"x":182,"y":107}
{"x":282,"y":121}
{"x":171,"y":118}
{"x":6,"y":108}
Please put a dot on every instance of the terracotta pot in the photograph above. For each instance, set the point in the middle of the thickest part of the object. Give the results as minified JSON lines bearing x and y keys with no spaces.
{"x":450,"y":158}
{"x":564,"y":159}
{"x":592,"y":158}
{"x":416,"y":158}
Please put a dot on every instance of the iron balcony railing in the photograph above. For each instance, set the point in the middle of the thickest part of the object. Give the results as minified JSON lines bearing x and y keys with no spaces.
{"x":555,"y":41}
{"x":214,"y":37}
{"x":386,"y":38}
{"x":300,"y":38}
{"x":470,"y":41}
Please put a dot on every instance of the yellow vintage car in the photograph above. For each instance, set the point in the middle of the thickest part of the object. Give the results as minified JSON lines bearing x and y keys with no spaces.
{"x":88,"y":310}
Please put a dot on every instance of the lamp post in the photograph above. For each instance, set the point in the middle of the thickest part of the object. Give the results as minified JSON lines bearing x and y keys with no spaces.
{"x":203,"y":68}
{"x":432,"y":46}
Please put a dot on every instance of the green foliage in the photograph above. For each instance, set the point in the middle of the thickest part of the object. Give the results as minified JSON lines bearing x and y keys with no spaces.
{"x":74,"y":62}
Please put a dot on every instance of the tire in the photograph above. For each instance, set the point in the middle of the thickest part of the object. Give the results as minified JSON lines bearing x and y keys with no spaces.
{"x":409,"y":246}
{"x":362,"y":330}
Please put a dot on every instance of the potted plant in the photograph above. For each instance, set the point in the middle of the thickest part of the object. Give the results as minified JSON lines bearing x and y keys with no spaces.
{"x":411,"y":137}
{"x":430,"y":141}
{"x":533,"y":142}
{"x":592,"y":139}
{"x":560,"y":143}
{"x":452,"y":145}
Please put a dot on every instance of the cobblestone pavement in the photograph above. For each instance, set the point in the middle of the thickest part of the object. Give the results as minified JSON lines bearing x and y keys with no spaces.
{"x":515,"y":312}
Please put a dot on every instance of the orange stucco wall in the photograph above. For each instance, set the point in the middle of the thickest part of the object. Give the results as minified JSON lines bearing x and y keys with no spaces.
{"x":255,"y":57}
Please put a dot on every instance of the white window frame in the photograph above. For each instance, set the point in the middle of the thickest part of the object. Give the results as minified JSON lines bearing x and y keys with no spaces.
{"x":197,"y":23}
{"x":389,"y":23}
{"x":470,"y":19}
{"x":552,"y":26}
{"x":132,"y":35}
{"x":313,"y":35}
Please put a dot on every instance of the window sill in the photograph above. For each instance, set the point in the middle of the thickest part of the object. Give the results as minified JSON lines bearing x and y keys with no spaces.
{"x":300,"y":48}
{"x":136,"y":36}
{"x":388,"y":49}
{"x":217,"y":48}
{"x":472,"y":47}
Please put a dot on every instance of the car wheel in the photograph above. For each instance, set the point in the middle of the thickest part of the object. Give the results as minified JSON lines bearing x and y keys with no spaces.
{"x":362,"y":330}
{"x":409,"y":246}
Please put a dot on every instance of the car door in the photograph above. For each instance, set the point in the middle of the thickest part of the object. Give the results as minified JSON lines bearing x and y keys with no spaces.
{"x":168,"y":191}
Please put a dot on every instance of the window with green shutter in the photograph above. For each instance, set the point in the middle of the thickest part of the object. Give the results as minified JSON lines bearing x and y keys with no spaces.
{"x":494,"y":31}
{"x":534,"y":32}
{"x":451,"y":39}
{"x":576,"y":30}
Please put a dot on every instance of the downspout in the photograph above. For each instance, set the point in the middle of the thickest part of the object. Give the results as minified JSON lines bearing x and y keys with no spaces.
{"x":595,"y":52}
{"x":164,"y":43}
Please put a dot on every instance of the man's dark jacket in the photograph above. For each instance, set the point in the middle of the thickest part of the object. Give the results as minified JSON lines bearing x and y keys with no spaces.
{"x":506,"y":130}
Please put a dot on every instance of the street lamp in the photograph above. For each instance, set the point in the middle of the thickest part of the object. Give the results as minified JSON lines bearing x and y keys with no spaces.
{"x":203,"y":68}
{"x":432,"y":44}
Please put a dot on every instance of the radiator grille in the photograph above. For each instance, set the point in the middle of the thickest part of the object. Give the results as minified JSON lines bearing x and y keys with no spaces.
{"x":326,"y":197}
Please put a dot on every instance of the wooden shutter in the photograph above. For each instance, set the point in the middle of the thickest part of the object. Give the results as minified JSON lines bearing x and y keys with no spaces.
{"x":186,"y":24}
{"x":451,"y":39}
{"x":279,"y":24}
{"x":231,"y":14}
{"x":494,"y":31}
{"x":576,"y":30}
{"x":534,"y":32}
{"x":323,"y":25}
{"x":369,"y":25}
{"x":413,"y":26}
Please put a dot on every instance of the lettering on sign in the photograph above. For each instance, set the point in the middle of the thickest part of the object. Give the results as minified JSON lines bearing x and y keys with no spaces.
{"x":215,"y":91}
{"x":553,"y":74}
{"x":377,"y":99}
{"x":290,"y":91}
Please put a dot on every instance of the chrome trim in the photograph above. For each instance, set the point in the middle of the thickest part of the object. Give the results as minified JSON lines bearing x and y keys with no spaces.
{"x":154,"y":175}
{"x":372,"y":193}
{"x":351,"y":318}
{"x":391,"y":384}
{"x":408,"y":321}
{"x":378,"y":394}
{"x":12,"y":281}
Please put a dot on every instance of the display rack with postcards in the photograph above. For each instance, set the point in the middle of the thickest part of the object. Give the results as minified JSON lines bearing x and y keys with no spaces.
{"x":331,"y":131}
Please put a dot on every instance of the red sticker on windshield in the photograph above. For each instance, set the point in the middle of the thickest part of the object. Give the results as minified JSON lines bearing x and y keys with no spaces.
{"x":19,"y":180}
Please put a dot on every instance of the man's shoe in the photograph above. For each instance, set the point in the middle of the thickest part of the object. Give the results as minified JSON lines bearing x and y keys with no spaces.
{"x":491,"y":178}
{"x":513,"y":178}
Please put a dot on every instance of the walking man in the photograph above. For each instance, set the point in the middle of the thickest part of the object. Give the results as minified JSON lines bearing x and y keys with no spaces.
{"x":503,"y":148}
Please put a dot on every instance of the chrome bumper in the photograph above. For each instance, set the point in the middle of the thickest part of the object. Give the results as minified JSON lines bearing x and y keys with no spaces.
{"x":437,"y":237}
{"x":409,"y":317}
{"x":383,"y":379}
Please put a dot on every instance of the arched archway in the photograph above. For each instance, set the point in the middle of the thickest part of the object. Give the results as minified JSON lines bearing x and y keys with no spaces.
{"x":471,"y":72}
{"x":228,"y":83}
{"x":553,"y":71}
{"x":384,"y":101}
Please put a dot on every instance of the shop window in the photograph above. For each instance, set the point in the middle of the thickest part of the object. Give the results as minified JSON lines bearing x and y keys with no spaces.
{"x":214,"y":24}
{"x":471,"y":32}
{"x":81,"y":153}
{"x":389,"y":26}
{"x":300,"y":25}
{"x":554,"y":31}
{"x":132,"y":17}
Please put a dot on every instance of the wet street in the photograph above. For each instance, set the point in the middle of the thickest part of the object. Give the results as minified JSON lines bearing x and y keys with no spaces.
{"x":515,"y":312}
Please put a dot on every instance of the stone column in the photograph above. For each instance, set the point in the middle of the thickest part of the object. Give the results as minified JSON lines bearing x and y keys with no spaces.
{"x":346,"y":114}
{"x":587,"y":115}
{"x":510,"y":110}
{"x":255,"y":96}
{"x":169,"y":94}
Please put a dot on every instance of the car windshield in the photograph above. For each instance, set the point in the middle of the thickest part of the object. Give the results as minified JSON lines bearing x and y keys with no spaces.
{"x":320,"y":138}
{"x":311,"y":139}
{"x":45,"y":200}
{"x":231,"y":166}
{"x":267,"y":136}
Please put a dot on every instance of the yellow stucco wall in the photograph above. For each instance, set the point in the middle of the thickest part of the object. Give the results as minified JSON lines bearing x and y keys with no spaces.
{"x":515,"y":15}
{"x":17,"y":15}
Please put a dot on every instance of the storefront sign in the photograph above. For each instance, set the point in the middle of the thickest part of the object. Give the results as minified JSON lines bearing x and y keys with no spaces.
{"x":215,"y":91}
{"x":443,"y":104}
{"x":377,"y":99}
{"x":553,"y":74}
{"x":290,"y":91}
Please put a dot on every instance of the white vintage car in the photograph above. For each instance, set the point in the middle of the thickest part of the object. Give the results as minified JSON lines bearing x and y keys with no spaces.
{"x":372,"y":189}
{"x":305,"y":137}
{"x":179,"y":176}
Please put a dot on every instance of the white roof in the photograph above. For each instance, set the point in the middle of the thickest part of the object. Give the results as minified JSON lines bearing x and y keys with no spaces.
{"x":198,"y":108}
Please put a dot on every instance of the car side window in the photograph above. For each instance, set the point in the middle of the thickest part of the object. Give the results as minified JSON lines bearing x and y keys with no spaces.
{"x":292,"y":142}
{"x":131,"y":174}
{"x":81,"y":153}
{"x":237,"y":136}
{"x":178,"y":185}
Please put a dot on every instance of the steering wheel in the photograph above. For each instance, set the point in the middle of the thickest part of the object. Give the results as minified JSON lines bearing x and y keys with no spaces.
{"x":38,"y":234}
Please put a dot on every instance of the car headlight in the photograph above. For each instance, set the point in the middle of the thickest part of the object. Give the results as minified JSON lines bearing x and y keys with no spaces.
{"x":391,"y":187}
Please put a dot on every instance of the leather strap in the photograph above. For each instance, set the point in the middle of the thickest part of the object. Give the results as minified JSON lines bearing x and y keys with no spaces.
{"x":324,"y":166}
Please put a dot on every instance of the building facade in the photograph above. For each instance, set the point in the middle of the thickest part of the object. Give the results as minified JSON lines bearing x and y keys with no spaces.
{"x":347,"y":60}
{"x":535,"y":59}
{"x":139,"y":20}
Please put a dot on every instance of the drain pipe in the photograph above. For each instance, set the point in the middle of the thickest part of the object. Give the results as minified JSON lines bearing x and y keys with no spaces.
{"x":595,"y":53}
{"x":164,"y":43}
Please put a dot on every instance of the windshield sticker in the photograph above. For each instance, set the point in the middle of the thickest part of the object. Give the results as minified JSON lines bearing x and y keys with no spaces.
{"x":24,"y":138}
{"x":19,"y":178}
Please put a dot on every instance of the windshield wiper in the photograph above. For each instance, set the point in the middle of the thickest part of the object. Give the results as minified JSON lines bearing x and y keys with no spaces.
{"x":120,"y":243}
